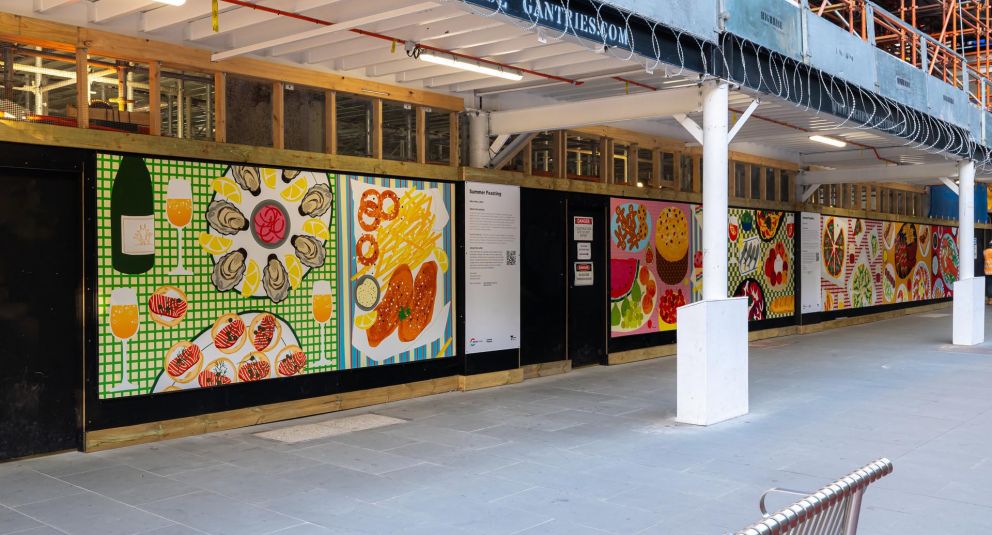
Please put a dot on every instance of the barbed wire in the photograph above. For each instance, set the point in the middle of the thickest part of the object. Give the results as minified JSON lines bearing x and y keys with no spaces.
{"x":778,"y":75}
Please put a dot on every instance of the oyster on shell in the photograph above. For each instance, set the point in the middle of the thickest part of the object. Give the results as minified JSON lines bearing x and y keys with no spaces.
{"x":309,"y":250}
{"x":249,"y":178}
{"x":229,"y":270}
{"x":289,"y":174}
{"x":275,"y":279}
{"x":225,"y":218}
{"x":316,"y":201}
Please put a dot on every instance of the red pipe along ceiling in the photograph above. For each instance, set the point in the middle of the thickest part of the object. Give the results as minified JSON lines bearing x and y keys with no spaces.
{"x":397,"y":41}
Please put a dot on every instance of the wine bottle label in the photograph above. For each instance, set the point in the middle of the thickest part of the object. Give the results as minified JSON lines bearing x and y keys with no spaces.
{"x":137,"y":235}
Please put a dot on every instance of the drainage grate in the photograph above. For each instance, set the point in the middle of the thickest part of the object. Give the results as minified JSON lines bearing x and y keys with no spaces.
{"x":329,"y":428}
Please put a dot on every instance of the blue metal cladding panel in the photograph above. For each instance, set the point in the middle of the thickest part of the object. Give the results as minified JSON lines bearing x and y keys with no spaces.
{"x":775,"y":24}
{"x":699,"y":18}
{"x":947,"y":103}
{"x":988,"y":129}
{"x":837,"y":52}
{"x":900,"y":81}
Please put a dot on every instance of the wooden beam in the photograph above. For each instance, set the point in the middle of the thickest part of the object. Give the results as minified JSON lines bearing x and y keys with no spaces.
{"x":655,"y":168}
{"x":220,"y":107}
{"x":421,"y":134}
{"x":155,"y":98}
{"x":633,"y":164}
{"x":377,"y":128}
{"x":528,"y":155}
{"x":278,"y":115}
{"x":82,"y":88}
{"x":604,"y":147}
{"x":330,"y":122}
{"x":59,"y":36}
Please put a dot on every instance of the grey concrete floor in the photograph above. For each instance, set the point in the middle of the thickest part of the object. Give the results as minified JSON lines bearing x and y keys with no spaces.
{"x":592,"y":451}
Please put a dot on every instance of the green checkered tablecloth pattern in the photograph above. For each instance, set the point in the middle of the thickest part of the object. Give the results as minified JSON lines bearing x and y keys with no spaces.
{"x":147,"y":348}
{"x":734,"y":276}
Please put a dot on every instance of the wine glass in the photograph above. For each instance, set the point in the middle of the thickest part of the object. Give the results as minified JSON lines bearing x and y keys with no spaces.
{"x":124,"y":324}
{"x":179,"y":210}
{"x":322,"y":313}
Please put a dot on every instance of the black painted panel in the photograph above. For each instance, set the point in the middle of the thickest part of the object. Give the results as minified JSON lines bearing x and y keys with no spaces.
{"x":41,"y":322}
{"x":542,"y":276}
{"x":587,"y":305}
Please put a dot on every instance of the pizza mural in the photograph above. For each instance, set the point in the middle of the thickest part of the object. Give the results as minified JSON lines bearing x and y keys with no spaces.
{"x":866,"y":262}
{"x":656,"y":263}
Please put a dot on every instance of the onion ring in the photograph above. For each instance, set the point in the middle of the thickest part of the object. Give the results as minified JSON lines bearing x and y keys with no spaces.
{"x":370,"y":254}
{"x":394,"y":208}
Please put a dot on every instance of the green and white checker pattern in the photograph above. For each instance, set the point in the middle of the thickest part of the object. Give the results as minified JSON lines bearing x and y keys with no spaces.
{"x":734,"y":276}
{"x":147,"y":348}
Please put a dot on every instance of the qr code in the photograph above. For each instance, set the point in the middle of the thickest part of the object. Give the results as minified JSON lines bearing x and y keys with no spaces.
{"x":511,"y":258}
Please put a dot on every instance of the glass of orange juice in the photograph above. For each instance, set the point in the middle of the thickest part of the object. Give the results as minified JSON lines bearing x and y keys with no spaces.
{"x":179,"y":211}
{"x":322,"y":307}
{"x":124,"y":325}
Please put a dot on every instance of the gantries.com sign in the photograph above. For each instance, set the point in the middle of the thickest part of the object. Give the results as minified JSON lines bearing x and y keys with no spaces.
{"x":552,"y":14}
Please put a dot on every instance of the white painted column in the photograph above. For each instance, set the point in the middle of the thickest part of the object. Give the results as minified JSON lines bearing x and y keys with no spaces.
{"x":715,"y":190}
{"x":478,"y":138}
{"x":969,"y":291}
{"x":712,"y":370}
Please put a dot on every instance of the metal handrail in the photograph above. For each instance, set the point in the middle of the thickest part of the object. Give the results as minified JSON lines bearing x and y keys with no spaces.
{"x":834,"y":509}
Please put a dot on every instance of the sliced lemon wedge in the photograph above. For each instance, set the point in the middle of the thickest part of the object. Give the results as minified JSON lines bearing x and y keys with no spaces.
{"x":366,"y":320}
{"x":225,"y":187}
{"x":295,"y":190}
{"x":252,"y":277}
{"x":442,"y":259}
{"x":269,"y":177}
{"x":214,"y":244}
{"x":294,"y":269}
{"x":316,"y":228}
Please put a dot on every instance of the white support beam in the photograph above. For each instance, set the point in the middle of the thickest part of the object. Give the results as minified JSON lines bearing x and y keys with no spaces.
{"x":742,"y":119}
{"x":497,"y":144}
{"x":690,"y":126}
{"x":968,"y":323}
{"x":595,"y":111}
{"x":105,"y":10}
{"x":809,"y":191}
{"x":951,"y":185}
{"x":43,"y":6}
{"x":890,"y":173}
{"x":323,"y":30}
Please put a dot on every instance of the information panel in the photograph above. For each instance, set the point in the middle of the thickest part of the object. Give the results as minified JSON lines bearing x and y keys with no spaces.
{"x":492,"y":245}
{"x":810,"y":262}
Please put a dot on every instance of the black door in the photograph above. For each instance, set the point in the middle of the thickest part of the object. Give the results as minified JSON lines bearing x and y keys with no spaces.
{"x":587,"y":303}
{"x":542,"y":276}
{"x":41,"y":289}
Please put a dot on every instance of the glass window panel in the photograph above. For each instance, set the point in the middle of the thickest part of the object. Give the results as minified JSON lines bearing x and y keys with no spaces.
{"x":770,"y":184}
{"x":739,"y":179}
{"x":186,"y":105}
{"x":755,"y":182}
{"x":399,"y":131}
{"x":33,"y":96}
{"x":542,"y":153}
{"x":354,"y":125}
{"x":784,"y":180}
{"x":249,"y":111}
{"x":645,"y":166}
{"x":667,"y":167}
{"x":620,"y":163}
{"x":583,"y":156}
{"x":439,"y":137}
{"x":685,"y":181}
{"x":304,"y":110}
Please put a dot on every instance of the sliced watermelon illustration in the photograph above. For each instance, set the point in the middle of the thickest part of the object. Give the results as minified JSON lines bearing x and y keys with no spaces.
{"x":623,"y":275}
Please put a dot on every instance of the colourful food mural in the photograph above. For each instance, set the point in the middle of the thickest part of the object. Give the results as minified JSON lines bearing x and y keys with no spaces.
{"x":656,"y":263}
{"x":399,"y":280}
{"x":867,"y":262}
{"x":212,"y":274}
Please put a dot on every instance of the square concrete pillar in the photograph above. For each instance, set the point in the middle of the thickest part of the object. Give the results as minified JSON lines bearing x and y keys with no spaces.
{"x":969,"y":311}
{"x":712,"y":361}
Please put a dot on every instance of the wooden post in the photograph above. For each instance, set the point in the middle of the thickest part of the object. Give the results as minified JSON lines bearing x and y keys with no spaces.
{"x":604,"y":161}
{"x":330,"y":122}
{"x":633,"y":164}
{"x":220,"y":107}
{"x":656,"y":168}
{"x":697,"y":175}
{"x":82,"y":88}
{"x":557,"y":142}
{"x":377,"y":128}
{"x":455,"y":141}
{"x":528,"y":156}
{"x":155,"y":98}
{"x":278,"y":115}
{"x":421,"y":134}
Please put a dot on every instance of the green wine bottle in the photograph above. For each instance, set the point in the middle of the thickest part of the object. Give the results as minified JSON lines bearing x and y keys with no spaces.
{"x":132,"y":210}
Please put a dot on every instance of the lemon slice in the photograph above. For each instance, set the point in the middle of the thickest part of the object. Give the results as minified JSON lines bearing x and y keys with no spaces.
{"x":214,"y":244}
{"x":269,"y":177}
{"x":366,"y":320}
{"x":295,"y":190}
{"x":316,"y":228}
{"x":442,"y":259}
{"x":226,"y":188}
{"x":294,"y":269}
{"x":252,"y":276}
